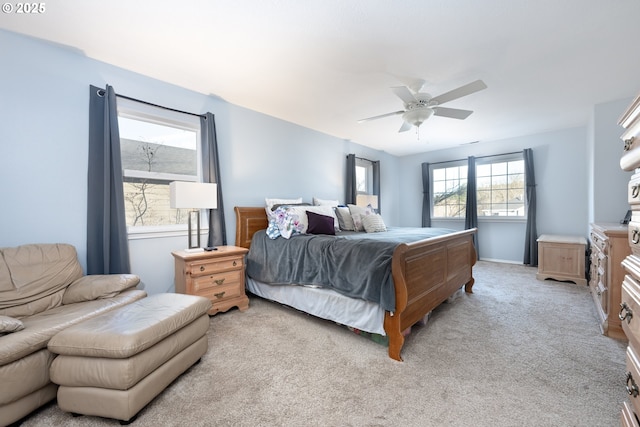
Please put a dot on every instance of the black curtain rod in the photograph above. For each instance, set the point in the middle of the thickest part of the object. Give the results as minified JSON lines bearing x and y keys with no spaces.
{"x":101,"y":93}
{"x":478,"y":157}
{"x":362,"y":158}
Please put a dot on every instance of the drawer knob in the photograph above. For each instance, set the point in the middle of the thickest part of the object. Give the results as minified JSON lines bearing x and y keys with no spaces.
{"x":635,"y":190}
{"x":219,"y":295}
{"x":235,"y":263}
{"x":632,"y":389}
{"x":635,"y":238}
{"x":628,"y":143}
{"x":625,"y":313}
{"x":202,"y":268}
{"x":219,"y":281}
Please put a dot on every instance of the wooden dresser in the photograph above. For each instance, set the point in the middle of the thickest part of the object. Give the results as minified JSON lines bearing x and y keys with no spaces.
{"x":629,"y":309}
{"x":217,"y":275}
{"x":609,"y":246}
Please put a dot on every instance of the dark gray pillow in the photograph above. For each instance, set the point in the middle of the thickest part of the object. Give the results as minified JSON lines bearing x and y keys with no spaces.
{"x":320,"y":224}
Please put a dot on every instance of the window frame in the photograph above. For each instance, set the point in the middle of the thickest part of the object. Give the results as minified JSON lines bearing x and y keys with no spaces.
{"x":367,"y":165}
{"x":157,"y":115}
{"x":499,"y":158}
{"x":432,"y":168}
{"x":502,"y":158}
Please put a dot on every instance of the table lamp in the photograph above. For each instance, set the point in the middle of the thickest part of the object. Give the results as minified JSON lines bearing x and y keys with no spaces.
{"x":194,"y":196}
{"x":367,"y":200}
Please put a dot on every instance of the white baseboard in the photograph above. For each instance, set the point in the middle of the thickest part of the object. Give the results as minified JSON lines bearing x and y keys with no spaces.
{"x":503,"y":261}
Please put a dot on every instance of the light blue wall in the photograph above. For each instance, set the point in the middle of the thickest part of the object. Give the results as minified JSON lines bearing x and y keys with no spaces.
{"x":560,"y":164}
{"x":44,"y":103}
{"x":609,"y":180}
{"x":43,"y":160}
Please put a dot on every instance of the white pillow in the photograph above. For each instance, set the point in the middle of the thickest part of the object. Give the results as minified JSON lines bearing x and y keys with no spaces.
{"x":373,"y":223}
{"x":271,"y":202}
{"x":324,"y":202}
{"x":357,"y":213}
{"x":301,"y":212}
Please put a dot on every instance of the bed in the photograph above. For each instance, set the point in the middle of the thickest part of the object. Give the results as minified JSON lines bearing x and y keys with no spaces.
{"x":424,"y":274}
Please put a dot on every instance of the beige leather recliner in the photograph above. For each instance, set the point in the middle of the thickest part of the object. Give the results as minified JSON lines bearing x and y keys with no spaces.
{"x":43,"y":291}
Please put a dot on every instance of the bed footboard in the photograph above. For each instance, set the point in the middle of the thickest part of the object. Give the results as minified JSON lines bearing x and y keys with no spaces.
{"x":425,"y":274}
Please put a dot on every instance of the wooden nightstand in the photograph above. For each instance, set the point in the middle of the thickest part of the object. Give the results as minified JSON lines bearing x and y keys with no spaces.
{"x":217,"y":275}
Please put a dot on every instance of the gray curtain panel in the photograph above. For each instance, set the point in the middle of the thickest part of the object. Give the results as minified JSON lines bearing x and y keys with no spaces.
{"x":107,"y":243}
{"x":211,"y":174}
{"x":350,"y":193}
{"x":426,"y":196}
{"x":531,"y":236}
{"x":471,"y":211}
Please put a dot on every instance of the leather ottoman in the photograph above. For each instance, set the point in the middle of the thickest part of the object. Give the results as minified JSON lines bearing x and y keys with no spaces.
{"x":114,"y":364}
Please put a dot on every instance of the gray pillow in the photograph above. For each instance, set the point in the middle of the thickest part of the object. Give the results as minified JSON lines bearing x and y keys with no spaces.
{"x":344,"y":219}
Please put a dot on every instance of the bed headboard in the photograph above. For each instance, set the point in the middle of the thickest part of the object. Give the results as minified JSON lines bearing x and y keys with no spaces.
{"x":248,"y":221}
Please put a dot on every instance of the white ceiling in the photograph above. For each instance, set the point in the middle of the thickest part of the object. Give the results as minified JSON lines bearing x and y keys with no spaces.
{"x":324,"y":64}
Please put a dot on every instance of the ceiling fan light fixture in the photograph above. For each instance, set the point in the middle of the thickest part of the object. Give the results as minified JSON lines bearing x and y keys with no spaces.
{"x":417,"y":116}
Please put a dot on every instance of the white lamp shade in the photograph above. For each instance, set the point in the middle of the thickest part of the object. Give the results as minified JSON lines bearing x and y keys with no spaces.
{"x":193,"y":195}
{"x":417,"y":116}
{"x":366,"y":200}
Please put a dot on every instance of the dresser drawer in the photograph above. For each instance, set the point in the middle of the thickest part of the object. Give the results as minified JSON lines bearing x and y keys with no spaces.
{"x":206,"y":267}
{"x":634,"y":233}
{"x":600,"y":242}
{"x":631,"y":146}
{"x":633,"y":379}
{"x":628,"y":417}
{"x":629,"y":310}
{"x":203,"y":283}
{"x":633,"y":190}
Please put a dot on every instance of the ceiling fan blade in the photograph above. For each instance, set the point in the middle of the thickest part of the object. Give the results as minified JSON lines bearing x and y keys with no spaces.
{"x":452,"y":113}
{"x":417,"y":85}
{"x":405,"y":127}
{"x":395,"y":113}
{"x":465,"y":90}
{"x":404,"y":93}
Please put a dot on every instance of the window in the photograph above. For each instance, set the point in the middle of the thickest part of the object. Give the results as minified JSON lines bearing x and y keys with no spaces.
{"x":364,"y":176}
{"x":157,"y":146}
{"x":450,"y":191}
{"x":500,"y":188}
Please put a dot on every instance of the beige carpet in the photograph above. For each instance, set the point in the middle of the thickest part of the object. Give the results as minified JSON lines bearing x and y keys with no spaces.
{"x":517,"y":352}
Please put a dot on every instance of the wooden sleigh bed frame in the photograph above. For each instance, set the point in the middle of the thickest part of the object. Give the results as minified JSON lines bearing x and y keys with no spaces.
{"x":425,"y":273}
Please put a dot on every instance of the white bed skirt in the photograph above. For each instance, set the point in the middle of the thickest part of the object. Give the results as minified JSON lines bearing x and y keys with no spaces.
{"x":324,"y":303}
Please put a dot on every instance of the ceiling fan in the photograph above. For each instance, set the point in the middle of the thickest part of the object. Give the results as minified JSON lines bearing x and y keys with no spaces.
{"x":419,"y":106}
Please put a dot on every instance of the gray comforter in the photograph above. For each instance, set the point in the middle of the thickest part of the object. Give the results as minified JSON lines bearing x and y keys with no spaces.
{"x":354,"y":264}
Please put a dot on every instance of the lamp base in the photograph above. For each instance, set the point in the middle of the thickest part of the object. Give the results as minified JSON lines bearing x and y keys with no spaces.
{"x":193,"y":250}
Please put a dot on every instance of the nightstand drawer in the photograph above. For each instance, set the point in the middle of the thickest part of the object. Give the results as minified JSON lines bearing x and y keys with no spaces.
{"x":205,"y":267}
{"x":202,"y":283}
{"x":220,"y":293}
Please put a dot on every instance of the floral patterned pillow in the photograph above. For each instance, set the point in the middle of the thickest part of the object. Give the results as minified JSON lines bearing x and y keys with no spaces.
{"x":285,"y":222}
